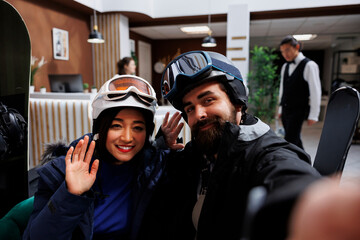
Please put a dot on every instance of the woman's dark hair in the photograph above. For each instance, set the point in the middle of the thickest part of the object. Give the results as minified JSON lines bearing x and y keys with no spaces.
{"x":293,"y":42}
{"x":104,"y":122}
{"x":122,"y":63}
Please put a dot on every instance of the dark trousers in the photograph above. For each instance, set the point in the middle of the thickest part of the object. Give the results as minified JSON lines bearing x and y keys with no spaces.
{"x":292,"y":120}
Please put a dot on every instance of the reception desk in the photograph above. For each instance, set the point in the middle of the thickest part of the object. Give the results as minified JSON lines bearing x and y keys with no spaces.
{"x":64,"y":117}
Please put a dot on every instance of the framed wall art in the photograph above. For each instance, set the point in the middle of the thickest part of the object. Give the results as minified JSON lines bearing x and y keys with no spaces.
{"x":60,"y":44}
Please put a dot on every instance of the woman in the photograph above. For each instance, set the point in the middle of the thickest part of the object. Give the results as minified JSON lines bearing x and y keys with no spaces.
{"x":101,"y":188}
{"x":127,"y":66}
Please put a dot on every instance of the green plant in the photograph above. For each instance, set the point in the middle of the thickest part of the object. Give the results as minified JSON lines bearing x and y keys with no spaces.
{"x":93,"y":87}
{"x":85,"y":86}
{"x":263,"y":83}
{"x":133,"y":55}
{"x":35,"y":67}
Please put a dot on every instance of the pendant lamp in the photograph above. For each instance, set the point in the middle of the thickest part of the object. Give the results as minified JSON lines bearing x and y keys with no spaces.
{"x":209,"y":41}
{"x":95,"y":36}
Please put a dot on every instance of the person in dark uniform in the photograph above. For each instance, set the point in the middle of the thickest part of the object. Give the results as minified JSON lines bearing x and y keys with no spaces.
{"x":300,"y":90}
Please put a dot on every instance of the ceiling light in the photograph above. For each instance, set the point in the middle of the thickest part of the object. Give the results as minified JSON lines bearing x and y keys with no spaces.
{"x":305,"y":37}
{"x":209,"y":41}
{"x":195,"y":30}
{"x":95,"y":36}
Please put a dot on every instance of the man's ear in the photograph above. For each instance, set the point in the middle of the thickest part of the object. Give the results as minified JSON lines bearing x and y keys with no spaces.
{"x":238,"y":113}
{"x":297,"y":46}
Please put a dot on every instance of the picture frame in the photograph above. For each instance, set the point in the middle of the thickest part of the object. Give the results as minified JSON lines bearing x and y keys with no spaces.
{"x":60,"y":44}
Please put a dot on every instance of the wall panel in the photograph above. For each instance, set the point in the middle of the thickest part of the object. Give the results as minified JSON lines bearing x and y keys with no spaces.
{"x":40,"y":17}
{"x":107,"y":54}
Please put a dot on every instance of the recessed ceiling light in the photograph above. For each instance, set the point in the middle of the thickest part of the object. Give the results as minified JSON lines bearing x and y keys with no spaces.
{"x":305,"y":37}
{"x":195,"y":30}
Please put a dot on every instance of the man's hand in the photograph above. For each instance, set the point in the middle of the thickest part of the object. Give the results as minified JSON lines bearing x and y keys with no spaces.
{"x":327,"y":211}
{"x":171,"y":130}
{"x":78,"y":178}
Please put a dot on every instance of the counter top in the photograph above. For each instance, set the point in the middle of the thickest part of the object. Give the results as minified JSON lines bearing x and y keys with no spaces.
{"x":56,"y":95}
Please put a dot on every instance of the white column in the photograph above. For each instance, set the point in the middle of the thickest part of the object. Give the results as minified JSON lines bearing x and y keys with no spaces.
{"x":238,"y":37}
{"x":124,"y":37}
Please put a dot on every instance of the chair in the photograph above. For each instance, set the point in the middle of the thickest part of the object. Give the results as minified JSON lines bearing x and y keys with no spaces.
{"x":13,"y":224}
{"x":341,"y":119}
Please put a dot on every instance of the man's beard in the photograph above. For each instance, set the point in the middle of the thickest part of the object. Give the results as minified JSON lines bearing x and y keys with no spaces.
{"x":209,"y":140}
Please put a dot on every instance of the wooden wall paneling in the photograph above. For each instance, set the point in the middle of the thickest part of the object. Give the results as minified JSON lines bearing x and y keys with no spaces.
{"x":107,"y":54}
{"x":40,"y":17}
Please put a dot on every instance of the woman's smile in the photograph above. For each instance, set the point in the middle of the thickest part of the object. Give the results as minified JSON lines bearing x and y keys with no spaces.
{"x":125,"y":149}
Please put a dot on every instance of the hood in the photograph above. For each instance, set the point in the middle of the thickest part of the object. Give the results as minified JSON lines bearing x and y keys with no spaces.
{"x":251,"y":132}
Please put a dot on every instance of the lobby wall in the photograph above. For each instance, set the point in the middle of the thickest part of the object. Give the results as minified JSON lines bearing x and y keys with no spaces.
{"x":40,"y":17}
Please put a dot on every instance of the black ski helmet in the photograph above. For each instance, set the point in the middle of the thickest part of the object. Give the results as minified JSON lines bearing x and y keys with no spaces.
{"x":189,"y":70}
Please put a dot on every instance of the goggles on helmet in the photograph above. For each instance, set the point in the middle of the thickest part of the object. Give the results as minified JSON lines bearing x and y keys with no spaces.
{"x":120,"y":87}
{"x":193,"y":64}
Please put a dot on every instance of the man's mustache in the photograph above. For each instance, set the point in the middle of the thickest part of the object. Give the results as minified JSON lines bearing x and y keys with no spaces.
{"x":204,"y":122}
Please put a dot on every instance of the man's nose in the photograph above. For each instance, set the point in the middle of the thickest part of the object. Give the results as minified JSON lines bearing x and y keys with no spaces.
{"x":200,"y":113}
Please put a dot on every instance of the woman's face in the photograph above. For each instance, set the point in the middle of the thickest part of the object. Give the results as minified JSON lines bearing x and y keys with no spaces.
{"x":126,"y":135}
{"x":130,"y":68}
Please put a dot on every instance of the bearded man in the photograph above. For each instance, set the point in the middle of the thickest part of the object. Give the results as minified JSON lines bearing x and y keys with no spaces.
{"x":204,"y":195}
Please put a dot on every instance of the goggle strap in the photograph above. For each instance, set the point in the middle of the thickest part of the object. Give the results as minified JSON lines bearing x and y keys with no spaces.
{"x":221,"y":66}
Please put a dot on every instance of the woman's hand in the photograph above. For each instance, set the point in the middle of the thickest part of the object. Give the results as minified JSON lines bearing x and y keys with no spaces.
{"x":171,"y":130}
{"x":78,"y":178}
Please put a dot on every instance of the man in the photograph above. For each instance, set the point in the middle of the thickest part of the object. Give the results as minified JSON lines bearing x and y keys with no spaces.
{"x":208,"y":183}
{"x":299,"y":80}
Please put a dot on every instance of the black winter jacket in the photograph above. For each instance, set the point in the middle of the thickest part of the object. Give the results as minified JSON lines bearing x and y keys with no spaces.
{"x":249,"y":155}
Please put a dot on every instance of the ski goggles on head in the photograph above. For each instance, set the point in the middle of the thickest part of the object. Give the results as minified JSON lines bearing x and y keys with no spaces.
{"x":120,"y":87}
{"x":193,"y":64}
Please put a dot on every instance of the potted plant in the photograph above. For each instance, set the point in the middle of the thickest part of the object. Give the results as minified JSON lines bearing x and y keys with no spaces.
{"x":263,"y":83}
{"x":43,"y":89}
{"x":93,"y":89}
{"x":86,"y":87}
{"x":34,"y":68}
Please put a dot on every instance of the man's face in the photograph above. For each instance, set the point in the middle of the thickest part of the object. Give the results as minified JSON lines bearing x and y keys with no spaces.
{"x":289,"y":52}
{"x":207,"y":108}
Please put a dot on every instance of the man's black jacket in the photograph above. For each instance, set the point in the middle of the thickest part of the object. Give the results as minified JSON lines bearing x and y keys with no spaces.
{"x":249,"y":155}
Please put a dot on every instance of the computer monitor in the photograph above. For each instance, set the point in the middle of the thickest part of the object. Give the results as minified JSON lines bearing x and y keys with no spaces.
{"x":66,"y":82}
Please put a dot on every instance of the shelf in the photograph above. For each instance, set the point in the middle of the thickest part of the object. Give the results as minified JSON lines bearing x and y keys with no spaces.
{"x":347,"y":74}
{"x":58,"y":95}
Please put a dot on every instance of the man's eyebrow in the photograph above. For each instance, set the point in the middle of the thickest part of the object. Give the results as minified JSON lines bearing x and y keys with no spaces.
{"x":199,"y":97}
{"x":204,"y":94}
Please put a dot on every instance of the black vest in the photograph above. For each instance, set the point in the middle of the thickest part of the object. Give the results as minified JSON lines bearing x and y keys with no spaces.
{"x":295,"y":88}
